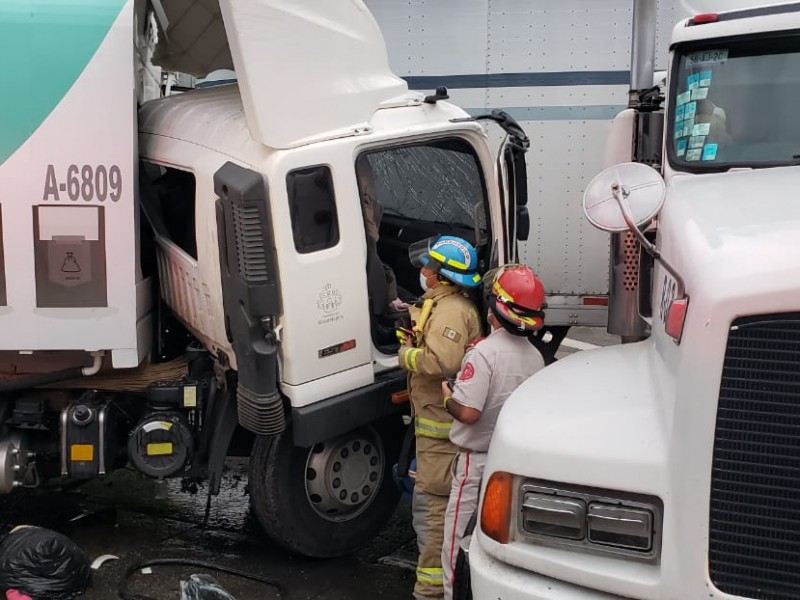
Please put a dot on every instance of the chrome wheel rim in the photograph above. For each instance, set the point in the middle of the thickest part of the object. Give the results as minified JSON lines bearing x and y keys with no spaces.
{"x":343,"y":475}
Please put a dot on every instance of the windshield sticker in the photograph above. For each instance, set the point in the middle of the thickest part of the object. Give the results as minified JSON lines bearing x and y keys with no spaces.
{"x":681,"y":147}
{"x":707,"y":57}
{"x":691,"y":110}
{"x":693,"y":154}
{"x":679,"y":129}
{"x":687,"y":127}
{"x":679,"y":112}
{"x":705,"y":78}
{"x":710,"y":151}
{"x":684,"y":98}
{"x":693,"y":81}
{"x":701,"y":129}
{"x":700,"y":93}
{"x":697,"y":141}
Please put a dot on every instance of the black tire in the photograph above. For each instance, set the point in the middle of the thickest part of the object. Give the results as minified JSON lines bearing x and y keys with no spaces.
{"x":280,"y":478}
{"x":462,"y":587}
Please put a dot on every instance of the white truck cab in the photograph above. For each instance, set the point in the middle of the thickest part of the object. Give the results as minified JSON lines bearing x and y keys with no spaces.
{"x":195,"y":274}
{"x":666,"y":468}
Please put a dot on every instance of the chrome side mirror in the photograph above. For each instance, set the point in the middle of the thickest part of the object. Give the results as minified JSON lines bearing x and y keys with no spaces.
{"x":624,"y":197}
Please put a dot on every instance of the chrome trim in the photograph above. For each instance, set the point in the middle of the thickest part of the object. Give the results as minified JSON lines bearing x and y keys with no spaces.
{"x":64,"y":418}
{"x":101,"y":444}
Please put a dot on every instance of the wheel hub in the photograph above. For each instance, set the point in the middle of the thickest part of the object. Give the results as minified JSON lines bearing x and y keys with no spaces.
{"x":343,"y":475}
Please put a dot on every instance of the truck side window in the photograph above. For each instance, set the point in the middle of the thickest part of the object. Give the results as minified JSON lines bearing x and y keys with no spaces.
{"x":315,"y":224}
{"x":438,"y":182}
{"x":174,"y":192}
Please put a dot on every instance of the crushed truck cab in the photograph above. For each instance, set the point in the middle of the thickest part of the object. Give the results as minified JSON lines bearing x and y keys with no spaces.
{"x":193,"y":274}
{"x":666,"y":467}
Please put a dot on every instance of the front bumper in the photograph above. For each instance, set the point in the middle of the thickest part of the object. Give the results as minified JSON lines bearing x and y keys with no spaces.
{"x":494,"y":580}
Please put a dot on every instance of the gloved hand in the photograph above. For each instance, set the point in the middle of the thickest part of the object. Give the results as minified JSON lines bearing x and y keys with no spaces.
{"x":406,"y":336}
{"x":398,"y":305}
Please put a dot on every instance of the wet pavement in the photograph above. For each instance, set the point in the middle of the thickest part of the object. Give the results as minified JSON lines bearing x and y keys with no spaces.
{"x":120,"y":516}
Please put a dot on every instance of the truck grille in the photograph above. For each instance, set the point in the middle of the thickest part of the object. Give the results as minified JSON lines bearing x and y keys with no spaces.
{"x":754,"y":537}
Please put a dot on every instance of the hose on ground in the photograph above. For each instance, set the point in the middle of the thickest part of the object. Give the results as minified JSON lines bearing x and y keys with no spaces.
{"x":124,"y":593}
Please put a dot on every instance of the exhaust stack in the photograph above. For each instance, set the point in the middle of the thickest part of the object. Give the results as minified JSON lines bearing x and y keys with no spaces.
{"x":624,"y":270}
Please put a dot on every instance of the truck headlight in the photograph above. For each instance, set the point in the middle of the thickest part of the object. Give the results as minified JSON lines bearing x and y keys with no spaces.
{"x":590,"y":519}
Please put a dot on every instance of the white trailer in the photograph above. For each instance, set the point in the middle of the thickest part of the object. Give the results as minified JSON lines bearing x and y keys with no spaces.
{"x":562,"y":70}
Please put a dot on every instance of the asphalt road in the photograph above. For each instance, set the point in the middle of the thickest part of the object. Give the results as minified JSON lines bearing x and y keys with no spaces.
{"x":120,"y":516}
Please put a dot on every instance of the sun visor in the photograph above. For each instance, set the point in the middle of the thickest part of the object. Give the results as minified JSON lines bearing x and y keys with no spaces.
{"x":307,"y":67}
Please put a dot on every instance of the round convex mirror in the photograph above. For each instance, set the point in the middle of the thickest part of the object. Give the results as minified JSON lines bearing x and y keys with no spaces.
{"x":642,"y":190}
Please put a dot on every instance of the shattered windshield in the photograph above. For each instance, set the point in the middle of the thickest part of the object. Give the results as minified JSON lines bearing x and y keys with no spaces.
{"x":735,"y":104}
{"x":436,"y":182}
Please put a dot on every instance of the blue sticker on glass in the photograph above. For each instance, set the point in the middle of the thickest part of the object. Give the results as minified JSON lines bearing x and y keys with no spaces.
{"x":693,"y":81}
{"x":681,"y":147}
{"x":679,"y":112}
{"x":705,"y":78}
{"x":710,"y":151}
{"x":691,"y":110}
{"x":679,"y":129}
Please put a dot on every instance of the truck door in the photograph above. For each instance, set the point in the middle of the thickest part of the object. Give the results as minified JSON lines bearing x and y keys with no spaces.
{"x":325,"y":332}
{"x":512,"y":177}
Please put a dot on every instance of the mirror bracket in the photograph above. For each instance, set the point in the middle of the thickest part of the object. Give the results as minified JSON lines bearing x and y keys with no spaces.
{"x":620,"y":194}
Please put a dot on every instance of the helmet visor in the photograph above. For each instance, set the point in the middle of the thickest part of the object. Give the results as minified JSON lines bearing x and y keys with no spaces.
{"x":419,"y":253}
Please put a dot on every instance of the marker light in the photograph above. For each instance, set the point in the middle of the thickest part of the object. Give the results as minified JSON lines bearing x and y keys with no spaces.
{"x":496,"y":511}
{"x":595,"y":300}
{"x":675,"y":318}
{"x":704,"y":18}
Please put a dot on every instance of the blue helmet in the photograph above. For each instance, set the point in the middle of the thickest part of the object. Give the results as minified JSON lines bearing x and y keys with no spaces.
{"x":455,"y":258}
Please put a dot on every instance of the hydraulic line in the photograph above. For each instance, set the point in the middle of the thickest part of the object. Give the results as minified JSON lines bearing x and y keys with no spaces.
{"x":125,"y":594}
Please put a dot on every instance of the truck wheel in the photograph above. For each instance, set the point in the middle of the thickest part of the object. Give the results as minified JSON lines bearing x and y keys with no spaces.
{"x":327,"y":500}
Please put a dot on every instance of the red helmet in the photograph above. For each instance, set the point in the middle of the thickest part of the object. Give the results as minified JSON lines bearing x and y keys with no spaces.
{"x":517,"y":297}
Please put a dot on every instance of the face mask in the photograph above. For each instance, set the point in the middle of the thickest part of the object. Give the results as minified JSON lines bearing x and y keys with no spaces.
{"x":423,"y":283}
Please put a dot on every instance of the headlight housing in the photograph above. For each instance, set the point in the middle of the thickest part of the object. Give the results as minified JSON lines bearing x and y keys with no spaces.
{"x":593,"y":520}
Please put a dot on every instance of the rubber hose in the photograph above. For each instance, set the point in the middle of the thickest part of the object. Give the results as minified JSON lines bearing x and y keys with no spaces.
{"x":23,"y":382}
{"x":124,"y":594}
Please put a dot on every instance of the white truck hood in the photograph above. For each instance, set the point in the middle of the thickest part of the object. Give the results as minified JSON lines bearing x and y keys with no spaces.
{"x":305,"y":67}
{"x":735,"y":233}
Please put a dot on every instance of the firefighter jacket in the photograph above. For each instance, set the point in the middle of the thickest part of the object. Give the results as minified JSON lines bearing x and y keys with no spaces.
{"x":452,"y":325}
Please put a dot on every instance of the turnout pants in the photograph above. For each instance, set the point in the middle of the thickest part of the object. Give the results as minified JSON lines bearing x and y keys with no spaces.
{"x":431,"y":490}
{"x":467,"y":473}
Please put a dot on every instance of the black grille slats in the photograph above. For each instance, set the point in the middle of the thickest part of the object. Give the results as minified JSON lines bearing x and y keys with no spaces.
{"x":754,"y":529}
{"x":250,"y":244}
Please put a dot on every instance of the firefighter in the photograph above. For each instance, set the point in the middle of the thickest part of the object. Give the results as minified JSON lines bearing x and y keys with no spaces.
{"x":444,"y":323}
{"x":490,"y":371}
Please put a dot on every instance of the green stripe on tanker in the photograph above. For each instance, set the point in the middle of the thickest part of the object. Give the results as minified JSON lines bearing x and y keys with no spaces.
{"x":44,"y":47}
